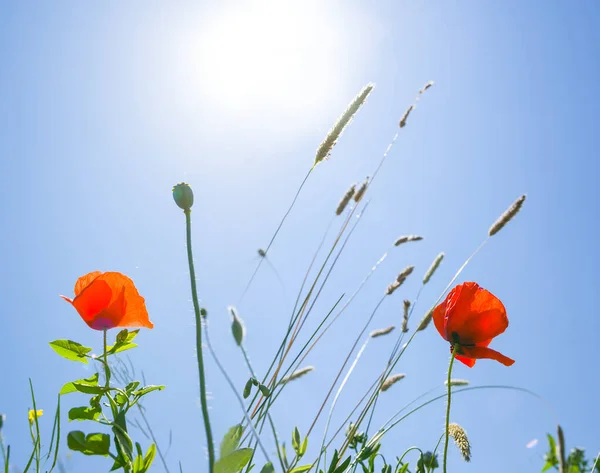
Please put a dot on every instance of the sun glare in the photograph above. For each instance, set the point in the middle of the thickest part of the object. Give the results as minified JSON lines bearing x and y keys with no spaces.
{"x":278,"y":56}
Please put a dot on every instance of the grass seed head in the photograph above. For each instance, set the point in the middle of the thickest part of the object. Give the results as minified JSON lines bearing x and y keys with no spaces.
{"x":406,"y":239}
{"x":405,"y":116}
{"x":361,"y":191}
{"x":330,"y":140}
{"x":298,"y":374}
{"x":425,"y":322}
{"x":391,"y":380}
{"x":382,"y":331}
{"x":507,"y":216}
{"x":461,"y":440}
{"x":345,"y":199}
{"x":405,"y":316}
{"x":434,"y":266}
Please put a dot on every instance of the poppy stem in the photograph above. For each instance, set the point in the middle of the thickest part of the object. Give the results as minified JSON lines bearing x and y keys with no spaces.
{"x":448,"y":407}
{"x":203,"y":402}
{"x":106,"y":368}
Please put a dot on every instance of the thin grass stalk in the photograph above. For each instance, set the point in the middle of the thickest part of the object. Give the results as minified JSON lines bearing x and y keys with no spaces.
{"x":360,"y":335}
{"x":307,"y":298}
{"x":339,"y":391}
{"x":234,"y":390}
{"x":275,"y":235}
{"x":275,"y":436}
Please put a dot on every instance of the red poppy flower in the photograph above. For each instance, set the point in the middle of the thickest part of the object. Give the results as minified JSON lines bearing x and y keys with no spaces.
{"x":108,"y":300}
{"x":469,"y":318}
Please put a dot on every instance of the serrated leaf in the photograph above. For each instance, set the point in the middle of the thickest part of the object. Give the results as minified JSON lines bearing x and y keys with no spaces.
{"x":70,"y":388}
{"x":91,"y":444}
{"x":70,"y":350}
{"x":83,"y":413}
{"x":234,"y":462}
{"x":301,"y":469}
{"x":231,"y":440}
{"x":268,"y":468}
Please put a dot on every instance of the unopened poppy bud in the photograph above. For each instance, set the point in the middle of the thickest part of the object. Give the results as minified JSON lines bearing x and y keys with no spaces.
{"x":203,"y":312}
{"x":237,"y":327}
{"x":183,"y":196}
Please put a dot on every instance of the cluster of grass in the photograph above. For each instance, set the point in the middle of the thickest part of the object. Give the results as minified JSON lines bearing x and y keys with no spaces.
{"x":348,"y":446}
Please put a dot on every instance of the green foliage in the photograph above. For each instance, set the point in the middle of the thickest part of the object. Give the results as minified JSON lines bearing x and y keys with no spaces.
{"x":70,"y":350}
{"x":231,"y":440}
{"x":91,"y":444}
{"x":123,"y":342}
{"x":70,"y":386}
{"x":234,"y":461}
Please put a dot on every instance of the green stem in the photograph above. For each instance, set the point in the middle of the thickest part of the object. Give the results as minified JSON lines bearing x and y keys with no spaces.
{"x":209,"y":437}
{"x":106,"y":368}
{"x":448,"y":407}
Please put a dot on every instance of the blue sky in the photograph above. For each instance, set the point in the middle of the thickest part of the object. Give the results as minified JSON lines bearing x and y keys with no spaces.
{"x":103,"y":108}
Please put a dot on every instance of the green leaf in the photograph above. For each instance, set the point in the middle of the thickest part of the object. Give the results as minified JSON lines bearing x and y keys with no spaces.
{"x":91,"y":444}
{"x":89,"y":388}
{"x":84,"y":413}
{"x":123,"y":341}
{"x":123,"y":442}
{"x":303,"y":447}
{"x":234,"y":462}
{"x":120,"y":399}
{"x":131,"y":386}
{"x":296,"y":440}
{"x":147,"y":389}
{"x":264,"y":390}
{"x":342,"y":467}
{"x":268,"y":468}
{"x":231,"y":440}
{"x":70,"y":350}
{"x":301,"y":469}
{"x":149,"y":458}
{"x":70,"y":387}
{"x":404,"y":468}
{"x":247,"y":388}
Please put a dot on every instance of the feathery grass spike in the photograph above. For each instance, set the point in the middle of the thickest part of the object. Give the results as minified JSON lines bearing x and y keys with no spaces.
{"x":345,"y":199}
{"x":457,"y":382}
{"x":297,"y":374}
{"x":425,"y":322}
{"x":405,"y":116}
{"x":330,"y":140}
{"x":382,"y":331}
{"x":405,"y":316}
{"x":507,"y":216}
{"x":361,"y":191}
{"x":434,"y":266}
{"x":391,"y":380}
{"x":406,"y":239}
{"x":461,"y":440}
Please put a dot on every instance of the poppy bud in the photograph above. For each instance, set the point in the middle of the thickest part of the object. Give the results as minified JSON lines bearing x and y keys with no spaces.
{"x":203,"y":312}
{"x":183,"y":196}
{"x":237,"y":327}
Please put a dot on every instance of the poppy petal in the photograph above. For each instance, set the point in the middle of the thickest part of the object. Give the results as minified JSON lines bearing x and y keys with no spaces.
{"x":85,"y":281}
{"x":439,"y":318}
{"x":470,"y":362}
{"x":93,"y":300}
{"x":135,"y":312}
{"x":473,"y":314}
{"x":113,"y":314}
{"x":485,"y":352}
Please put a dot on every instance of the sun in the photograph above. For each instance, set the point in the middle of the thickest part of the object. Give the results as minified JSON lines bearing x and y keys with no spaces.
{"x":280,"y":56}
